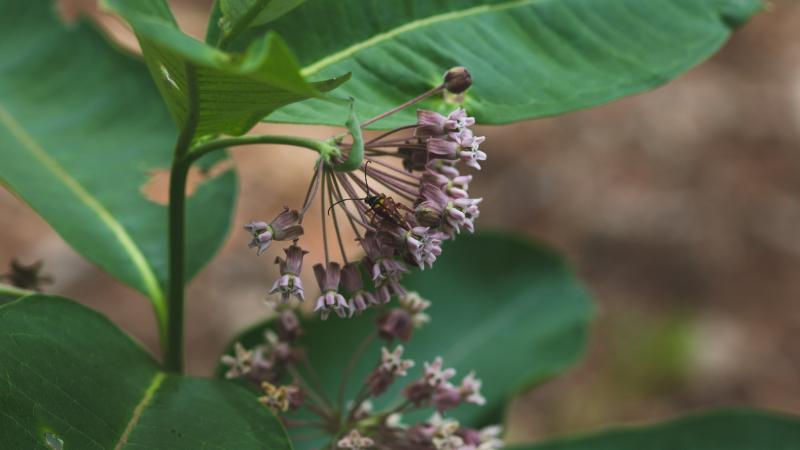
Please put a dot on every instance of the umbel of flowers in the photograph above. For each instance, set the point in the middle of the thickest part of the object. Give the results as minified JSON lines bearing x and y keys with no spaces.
{"x":285,"y":377}
{"x":400,"y":213}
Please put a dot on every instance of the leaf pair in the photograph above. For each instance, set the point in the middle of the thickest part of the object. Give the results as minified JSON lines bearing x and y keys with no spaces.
{"x":212,"y":91}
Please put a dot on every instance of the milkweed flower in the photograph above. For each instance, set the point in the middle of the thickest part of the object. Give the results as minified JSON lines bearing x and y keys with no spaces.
{"x":360,"y":298}
{"x":330,"y":299}
{"x":392,"y":366}
{"x":289,"y":284}
{"x":280,"y":398}
{"x":434,"y":387}
{"x":284,"y":227}
{"x":355,"y":441}
{"x":240,"y":363}
{"x":401,"y":203}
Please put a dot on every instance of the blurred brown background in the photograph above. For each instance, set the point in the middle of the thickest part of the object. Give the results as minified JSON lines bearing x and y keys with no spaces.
{"x":679,"y":208}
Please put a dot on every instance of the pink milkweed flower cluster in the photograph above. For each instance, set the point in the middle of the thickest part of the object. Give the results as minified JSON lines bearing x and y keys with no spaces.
{"x":400,"y":213}
{"x":355,"y":424}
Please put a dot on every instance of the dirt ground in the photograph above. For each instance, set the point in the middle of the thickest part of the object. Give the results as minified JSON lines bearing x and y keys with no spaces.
{"x":679,"y":208}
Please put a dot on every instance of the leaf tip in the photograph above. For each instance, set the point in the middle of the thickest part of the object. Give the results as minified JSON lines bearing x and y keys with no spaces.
{"x":735,"y":13}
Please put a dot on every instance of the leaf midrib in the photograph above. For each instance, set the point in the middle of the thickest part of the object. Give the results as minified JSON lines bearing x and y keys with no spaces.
{"x":129,"y":246}
{"x":335,"y":57}
{"x":147,"y":397}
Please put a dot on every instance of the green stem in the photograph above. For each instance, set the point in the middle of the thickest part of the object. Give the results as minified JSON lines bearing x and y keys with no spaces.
{"x":173,"y":351}
{"x":356,"y":155}
{"x":362,"y":347}
{"x":325,"y":149}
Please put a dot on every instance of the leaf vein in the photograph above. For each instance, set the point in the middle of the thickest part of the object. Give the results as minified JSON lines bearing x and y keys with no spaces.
{"x":410,"y":26}
{"x":137,"y":412}
{"x":137,"y":257}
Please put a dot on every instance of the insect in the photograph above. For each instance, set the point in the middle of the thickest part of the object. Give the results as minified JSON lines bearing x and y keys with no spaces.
{"x":381,"y":206}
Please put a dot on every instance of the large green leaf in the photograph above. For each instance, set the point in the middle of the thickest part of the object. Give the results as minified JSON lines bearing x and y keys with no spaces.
{"x":528,"y":58}
{"x":82,"y":130}
{"x":206,"y":88}
{"x":69,"y":374}
{"x":507,"y":308}
{"x":727,"y":430}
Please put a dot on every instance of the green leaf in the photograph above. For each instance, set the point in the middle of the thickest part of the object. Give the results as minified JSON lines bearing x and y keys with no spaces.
{"x":82,"y":132}
{"x":528,"y":58}
{"x":263,"y":11}
{"x":68,"y":373}
{"x":505,"y":307}
{"x":231,"y":17}
{"x":722,"y":430}
{"x":211,"y":91}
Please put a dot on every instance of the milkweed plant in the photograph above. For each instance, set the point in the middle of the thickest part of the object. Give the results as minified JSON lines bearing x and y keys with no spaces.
{"x":422,"y":325}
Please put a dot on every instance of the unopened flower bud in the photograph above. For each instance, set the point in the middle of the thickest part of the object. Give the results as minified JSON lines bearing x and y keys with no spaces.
{"x":428,"y":214}
{"x":446,"y":397}
{"x":418,"y":392}
{"x":397,"y":324}
{"x":288,"y":326}
{"x":457,"y":80}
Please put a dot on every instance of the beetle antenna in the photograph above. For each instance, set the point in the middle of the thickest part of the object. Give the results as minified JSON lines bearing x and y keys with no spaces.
{"x":366,"y":183}
{"x":344,"y":200}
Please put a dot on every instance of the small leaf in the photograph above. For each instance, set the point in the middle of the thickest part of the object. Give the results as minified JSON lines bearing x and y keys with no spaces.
{"x":70,"y":376}
{"x":721,"y":430}
{"x":502,"y":306}
{"x":82,"y":132}
{"x":528,"y":58}
{"x":210,"y":90}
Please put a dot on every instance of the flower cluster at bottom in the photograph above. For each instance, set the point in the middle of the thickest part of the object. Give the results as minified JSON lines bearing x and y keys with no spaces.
{"x":287,"y":380}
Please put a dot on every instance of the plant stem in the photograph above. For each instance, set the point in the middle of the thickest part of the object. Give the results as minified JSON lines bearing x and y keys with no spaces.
{"x":173,"y":351}
{"x":323,"y":148}
{"x":416,"y":99}
{"x":320,"y":402}
{"x":173,"y":354}
{"x":362,"y":347}
{"x":183,"y":158}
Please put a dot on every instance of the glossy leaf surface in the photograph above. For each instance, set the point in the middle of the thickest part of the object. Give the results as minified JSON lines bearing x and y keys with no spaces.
{"x":83,"y":133}
{"x":528,"y":58}
{"x":69,"y":374}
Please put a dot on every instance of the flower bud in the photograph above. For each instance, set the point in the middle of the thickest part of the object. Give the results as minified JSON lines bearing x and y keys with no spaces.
{"x":428,"y":214}
{"x":397,"y":324}
{"x":457,"y":80}
{"x":288,"y":326}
